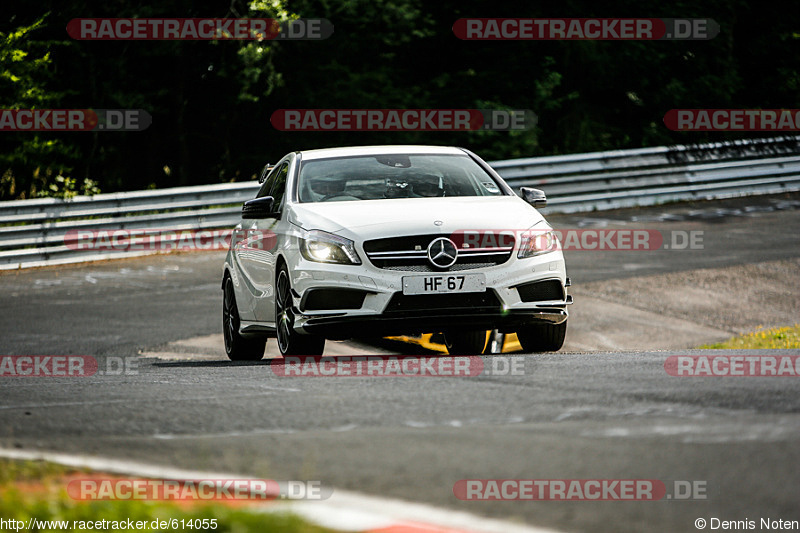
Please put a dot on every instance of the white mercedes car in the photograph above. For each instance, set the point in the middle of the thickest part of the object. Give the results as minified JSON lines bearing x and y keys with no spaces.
{"x":391,"y":240}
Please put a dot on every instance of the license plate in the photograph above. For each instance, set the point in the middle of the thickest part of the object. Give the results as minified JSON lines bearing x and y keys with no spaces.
{"x":444,"y":284}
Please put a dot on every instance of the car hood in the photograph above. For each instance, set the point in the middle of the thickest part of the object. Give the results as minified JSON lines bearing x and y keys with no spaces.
{"x":412,"y":216}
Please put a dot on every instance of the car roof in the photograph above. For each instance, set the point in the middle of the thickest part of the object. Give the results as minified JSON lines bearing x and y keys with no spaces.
{"x":350,"y":151}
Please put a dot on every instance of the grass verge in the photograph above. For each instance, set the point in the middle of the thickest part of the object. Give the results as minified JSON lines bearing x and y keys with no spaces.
{"x":37,"y":489}
{"x":786,"y":338}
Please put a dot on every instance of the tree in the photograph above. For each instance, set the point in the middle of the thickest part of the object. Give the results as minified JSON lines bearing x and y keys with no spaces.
{"x":32,"y":163}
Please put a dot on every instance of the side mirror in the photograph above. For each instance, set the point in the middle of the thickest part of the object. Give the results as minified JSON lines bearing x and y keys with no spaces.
{"x":259,"y":208}
{"x":535,"y":197}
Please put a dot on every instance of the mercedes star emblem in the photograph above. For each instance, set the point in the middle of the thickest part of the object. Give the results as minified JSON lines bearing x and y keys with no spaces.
{"x":442,"y":252}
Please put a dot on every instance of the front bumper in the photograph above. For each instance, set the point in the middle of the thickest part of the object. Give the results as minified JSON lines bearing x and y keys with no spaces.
{"x":431,"y":321}
{"x":384,"y":310}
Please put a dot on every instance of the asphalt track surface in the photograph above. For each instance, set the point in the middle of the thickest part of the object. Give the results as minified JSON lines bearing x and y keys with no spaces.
{"x":613,"y":415}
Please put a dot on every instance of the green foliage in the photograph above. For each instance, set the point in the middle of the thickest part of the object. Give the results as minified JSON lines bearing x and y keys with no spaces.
{"x":65,"y":187}
{"x":28,"y":159}
{"x":23,"y":61}
{"x":211,"y":101}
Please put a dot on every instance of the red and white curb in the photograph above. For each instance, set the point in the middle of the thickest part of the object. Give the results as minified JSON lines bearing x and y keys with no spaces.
{"x":343,"y":511}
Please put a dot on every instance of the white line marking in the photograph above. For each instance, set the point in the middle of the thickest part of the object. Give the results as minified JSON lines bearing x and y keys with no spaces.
{"x":175,"y":436}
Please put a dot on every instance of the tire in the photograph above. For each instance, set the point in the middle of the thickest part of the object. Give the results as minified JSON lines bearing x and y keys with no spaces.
{"x":543,"y":337}
{"x":291,"y":342}
{"x":237,"y":347}
{"x":465,"y":342}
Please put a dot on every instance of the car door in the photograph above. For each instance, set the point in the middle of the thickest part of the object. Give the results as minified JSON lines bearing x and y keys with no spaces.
{"x":267,"y":235}
{"x":254,"y":249}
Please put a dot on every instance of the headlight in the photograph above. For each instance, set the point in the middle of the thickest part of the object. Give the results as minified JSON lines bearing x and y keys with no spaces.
{"x":536,"y":242}
{"x":323,"y":247}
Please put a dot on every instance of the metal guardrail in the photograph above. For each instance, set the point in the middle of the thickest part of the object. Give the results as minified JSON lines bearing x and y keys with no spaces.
{"x":33,"y":232}
{"x":649,"y":176}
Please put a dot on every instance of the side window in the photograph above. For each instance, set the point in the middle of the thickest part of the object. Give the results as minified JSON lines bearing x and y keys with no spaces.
{"x":267,"y":185}
{"x":278,"y":189}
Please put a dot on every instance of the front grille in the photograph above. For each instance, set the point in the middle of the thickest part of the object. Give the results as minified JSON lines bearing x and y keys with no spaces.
{"x":476,"y":302}
{"x":541,"y":291}
{"x":410,"y":254}
{"x":428,"y":268}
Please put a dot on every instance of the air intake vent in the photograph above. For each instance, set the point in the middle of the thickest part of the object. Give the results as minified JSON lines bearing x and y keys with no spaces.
{"x":541,"y":291}
{"x":332,"y":299}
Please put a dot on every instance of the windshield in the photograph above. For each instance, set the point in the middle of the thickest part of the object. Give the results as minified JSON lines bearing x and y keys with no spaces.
{"x":393,"y":176}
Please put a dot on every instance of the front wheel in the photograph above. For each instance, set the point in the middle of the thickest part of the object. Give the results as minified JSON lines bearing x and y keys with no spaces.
{"x":291,"y":342}
{"x":543,"y":337}
{"x":237,"y":347}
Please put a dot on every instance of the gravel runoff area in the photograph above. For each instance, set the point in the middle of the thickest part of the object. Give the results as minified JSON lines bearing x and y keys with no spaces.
{"x":684,"y":309}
